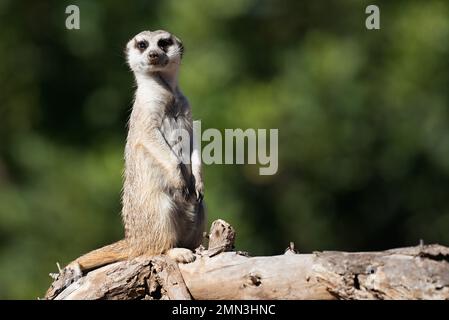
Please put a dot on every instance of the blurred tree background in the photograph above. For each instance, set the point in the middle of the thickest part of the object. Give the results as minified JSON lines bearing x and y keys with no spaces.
{"x":363,"y":120}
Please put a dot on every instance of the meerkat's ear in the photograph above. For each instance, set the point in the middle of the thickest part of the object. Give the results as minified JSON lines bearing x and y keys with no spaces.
{"x":180,"y":45}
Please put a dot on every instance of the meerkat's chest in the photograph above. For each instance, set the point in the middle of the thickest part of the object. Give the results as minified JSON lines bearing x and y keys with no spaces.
{"x":177,"y":127}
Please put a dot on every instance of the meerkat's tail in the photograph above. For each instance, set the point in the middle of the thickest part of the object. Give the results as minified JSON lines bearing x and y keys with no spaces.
{"x":115,"y":252}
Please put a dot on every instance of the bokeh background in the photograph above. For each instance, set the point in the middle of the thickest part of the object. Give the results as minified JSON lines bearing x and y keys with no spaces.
{"x":363,"y":119}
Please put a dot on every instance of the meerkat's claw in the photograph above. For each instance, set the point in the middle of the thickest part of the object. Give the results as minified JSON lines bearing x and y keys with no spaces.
{"x":181,"y":255}
{"x":199,"y":196}
{"x":54,"y":276}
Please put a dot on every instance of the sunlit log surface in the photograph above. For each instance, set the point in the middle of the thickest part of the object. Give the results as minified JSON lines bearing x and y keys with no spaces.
{"x":420,"y":272}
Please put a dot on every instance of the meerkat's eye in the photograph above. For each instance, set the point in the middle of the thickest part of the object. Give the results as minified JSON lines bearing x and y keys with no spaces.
{"x":142,"y":45}
{"x":164,"y":43}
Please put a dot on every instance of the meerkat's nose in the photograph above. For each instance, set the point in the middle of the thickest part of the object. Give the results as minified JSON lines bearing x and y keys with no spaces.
{"x":153,"y":55}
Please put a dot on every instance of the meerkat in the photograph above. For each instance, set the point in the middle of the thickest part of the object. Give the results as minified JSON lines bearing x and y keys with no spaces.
{"x":162,"y":199}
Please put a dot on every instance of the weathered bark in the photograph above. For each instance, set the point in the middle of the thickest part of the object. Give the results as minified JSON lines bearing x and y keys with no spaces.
{"x":420,"y":272}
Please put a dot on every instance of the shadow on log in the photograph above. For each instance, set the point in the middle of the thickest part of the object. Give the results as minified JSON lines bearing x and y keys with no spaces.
{"x":420,"y":272}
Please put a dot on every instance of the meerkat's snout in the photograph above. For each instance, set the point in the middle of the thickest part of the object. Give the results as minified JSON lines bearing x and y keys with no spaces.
{"x":153,"y":55}
{"x":156,"y":58}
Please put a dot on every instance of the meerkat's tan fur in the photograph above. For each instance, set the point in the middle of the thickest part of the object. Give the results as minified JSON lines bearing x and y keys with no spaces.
{"x":163,"y":211}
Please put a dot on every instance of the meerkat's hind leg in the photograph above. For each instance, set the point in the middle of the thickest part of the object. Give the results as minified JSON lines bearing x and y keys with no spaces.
{"x":181,"y":255}
{"x":68,"y":275}
{"x":72,"y":272}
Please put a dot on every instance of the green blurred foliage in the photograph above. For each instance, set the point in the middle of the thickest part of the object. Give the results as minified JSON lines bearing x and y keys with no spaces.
{"x":363,"y":120}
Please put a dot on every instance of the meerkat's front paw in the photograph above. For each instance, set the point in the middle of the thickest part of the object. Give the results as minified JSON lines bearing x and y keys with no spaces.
{"x":181,"y":255}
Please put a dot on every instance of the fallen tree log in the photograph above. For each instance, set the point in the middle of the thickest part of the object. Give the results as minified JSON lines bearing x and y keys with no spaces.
{"x":420,"y":272}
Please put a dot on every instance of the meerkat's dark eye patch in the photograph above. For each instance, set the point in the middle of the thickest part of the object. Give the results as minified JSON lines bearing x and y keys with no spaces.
{"x":142,"y":45}
{"x":164,"y":43}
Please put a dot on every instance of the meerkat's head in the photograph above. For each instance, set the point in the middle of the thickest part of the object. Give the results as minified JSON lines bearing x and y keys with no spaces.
{"x":154,"y":51}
